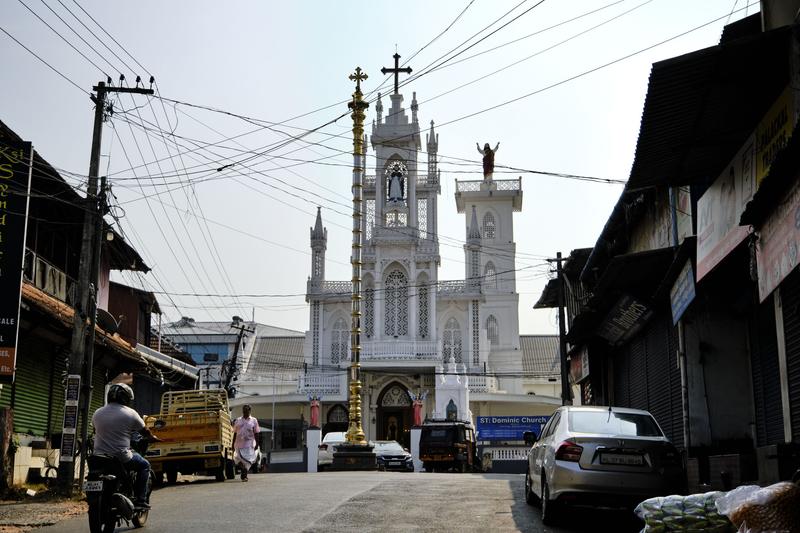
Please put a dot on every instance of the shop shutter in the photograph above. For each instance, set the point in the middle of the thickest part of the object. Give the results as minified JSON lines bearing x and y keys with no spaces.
{"x":675,"y":393}
{"x":663,"y":378}
{"x":790,"y":299}
{"x":621,"y":378}
{"x":637,"y":384}
{"x":766,"y":375}
{"x":31,"y":392}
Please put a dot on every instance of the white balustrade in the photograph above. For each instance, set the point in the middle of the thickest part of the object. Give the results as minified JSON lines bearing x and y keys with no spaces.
{"x":399,"y":350}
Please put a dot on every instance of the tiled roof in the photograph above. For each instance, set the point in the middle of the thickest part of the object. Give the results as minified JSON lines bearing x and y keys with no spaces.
{"x":276,"y":353}
{"x":540,"y":355}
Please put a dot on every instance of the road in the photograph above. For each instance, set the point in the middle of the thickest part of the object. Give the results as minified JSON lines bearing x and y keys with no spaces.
{"x":354,"y":501}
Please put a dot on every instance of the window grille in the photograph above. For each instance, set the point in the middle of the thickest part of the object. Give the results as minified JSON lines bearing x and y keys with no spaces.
{"x":489,"y":226}
{"x":370,"y":218}
{"x":476,"y":348}
{"x":339,"y":342}
{"x":422,"y":217}
{"x":493,"y":330}
{"x":490,"y":276}
{"x":451,"y":341}
{"x":396,"y":294}
{"x":315,"y":333}
{"x":369,"y":312}
{"x":422,"y":294}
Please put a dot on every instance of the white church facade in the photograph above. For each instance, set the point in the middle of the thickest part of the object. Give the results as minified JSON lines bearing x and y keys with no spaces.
{"x":413,"y":323}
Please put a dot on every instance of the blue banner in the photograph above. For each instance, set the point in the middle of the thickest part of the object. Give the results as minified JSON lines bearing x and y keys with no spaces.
{"x":509,"y":427}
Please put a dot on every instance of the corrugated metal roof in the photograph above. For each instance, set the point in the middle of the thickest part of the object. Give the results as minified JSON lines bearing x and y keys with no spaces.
{"x":276,"y":353}
{"x":540,"y":355}
{"x":700,"y":107}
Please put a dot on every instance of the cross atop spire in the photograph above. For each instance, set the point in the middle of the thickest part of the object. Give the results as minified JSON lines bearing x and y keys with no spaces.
{"x":396,"y":71}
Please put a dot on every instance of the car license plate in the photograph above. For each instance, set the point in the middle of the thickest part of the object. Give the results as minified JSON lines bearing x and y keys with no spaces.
{"x":395,"y":463}
{"x":621,"y":459}
{"x":92,"y":486}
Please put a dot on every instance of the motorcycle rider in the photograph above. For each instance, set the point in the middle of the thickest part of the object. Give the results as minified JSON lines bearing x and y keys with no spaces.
{"x":114,"y":425}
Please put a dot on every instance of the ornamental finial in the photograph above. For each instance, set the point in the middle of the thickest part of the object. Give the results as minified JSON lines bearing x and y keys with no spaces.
{"x":358,"y":76}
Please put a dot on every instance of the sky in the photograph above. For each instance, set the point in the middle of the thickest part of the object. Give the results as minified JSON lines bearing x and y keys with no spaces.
{"x":258,"y":90}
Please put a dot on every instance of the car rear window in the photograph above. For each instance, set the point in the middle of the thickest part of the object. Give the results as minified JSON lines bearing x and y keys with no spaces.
{"x":612,"y":423}
{"x":440,"y":434}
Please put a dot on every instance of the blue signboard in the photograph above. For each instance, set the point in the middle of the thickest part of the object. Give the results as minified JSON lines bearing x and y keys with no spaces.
{"x":682,"y":292}
{"x":509,"y":427}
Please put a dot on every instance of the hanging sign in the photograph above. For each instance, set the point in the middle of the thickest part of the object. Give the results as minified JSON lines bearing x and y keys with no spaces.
{"x":15,"y":179}
{"x":682,"y":292}
{"x":70,"y":425}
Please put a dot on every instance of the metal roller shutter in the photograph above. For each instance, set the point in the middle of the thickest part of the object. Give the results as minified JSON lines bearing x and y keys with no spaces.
{"x":658,"y":377}
{"x":766,"y":375}
{"x":637,"y":385}
{"x":621,"y":378}
{"x":790,"y":298}
{"x":31,"y":393}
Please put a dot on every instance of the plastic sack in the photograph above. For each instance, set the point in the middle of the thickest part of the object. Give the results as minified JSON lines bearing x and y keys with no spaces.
{"x":696,"y":512}
{"x":755,"y":509}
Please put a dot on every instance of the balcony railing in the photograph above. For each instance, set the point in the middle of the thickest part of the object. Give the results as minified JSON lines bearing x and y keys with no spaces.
{"x":400,"y":350}
{"x":330,"y":287}
{"x":422,"y":179}
{"x":321,"y":384}
{"x":45,"y":276}
{"x":498,"y":185}
{"x":482,"y":383}
{"x":458,"y":287}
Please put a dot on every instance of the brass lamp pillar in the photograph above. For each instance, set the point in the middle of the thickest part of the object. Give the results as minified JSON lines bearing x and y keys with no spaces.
{"x":355,"y":431}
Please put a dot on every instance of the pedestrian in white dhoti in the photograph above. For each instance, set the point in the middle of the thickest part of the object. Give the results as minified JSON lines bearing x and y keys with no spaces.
{"x":246,"y":430}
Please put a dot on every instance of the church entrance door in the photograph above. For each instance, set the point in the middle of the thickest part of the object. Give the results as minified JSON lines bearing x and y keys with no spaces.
{"x":394,"y":415}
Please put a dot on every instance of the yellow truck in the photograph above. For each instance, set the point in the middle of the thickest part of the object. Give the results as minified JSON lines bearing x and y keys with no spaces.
{"x":196,"y":433}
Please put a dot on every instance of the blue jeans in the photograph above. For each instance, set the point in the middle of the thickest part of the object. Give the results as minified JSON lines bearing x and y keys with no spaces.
{"x":141,"y":466}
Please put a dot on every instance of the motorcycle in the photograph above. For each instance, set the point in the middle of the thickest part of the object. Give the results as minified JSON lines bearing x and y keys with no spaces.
{"x":109,"y":491}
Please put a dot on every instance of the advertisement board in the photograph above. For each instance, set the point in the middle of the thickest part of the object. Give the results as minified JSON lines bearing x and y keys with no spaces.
{"x":682,"y":292}
{"x":15,"y":179}
{"x":502,"y":428}
{"x":777,"y":250}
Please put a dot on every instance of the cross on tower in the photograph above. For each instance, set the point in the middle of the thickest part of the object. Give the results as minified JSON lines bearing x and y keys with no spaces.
{"x":396,"y":71}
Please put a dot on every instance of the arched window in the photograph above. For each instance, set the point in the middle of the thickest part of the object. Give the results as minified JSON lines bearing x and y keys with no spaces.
{"x":339,"y":337}
{"x":396,"y":396}
{"x":489,"y":226}
{"x":490,"y":276}
{"x":338,"y":413}
{"x":396,"y":294}
{"x":493,"y":330}
{"x":451,"y":341}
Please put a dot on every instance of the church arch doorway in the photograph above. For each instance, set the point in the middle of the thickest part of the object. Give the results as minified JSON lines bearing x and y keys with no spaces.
{"x":394,"y":414}
{"x":337,"y":420}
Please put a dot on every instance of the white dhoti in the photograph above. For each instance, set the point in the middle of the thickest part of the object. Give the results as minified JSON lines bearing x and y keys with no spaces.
{"x":245,"y":457}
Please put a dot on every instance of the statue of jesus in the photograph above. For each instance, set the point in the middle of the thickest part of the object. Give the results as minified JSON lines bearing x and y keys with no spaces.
{"x":396,"y":186}
{"x":488,"y":159}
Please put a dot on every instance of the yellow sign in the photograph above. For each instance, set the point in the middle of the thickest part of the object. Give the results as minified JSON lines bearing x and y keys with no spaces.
{"x":773,"y":132}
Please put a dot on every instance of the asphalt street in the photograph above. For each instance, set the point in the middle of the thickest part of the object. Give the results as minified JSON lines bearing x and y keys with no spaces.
{"x":353,"y":501}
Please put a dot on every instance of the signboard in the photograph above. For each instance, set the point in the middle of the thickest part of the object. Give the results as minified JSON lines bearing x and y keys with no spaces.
{"x":721,"y":206}
{"x":70,"y":425}
{"x":579,"y":365}
{"x":626,"y":318}
{"x":777,"y":250}
{"x":15,"y":181}
{"x":509,"y":427}
{"x":773,"y":132}
{"x":682,"y":292}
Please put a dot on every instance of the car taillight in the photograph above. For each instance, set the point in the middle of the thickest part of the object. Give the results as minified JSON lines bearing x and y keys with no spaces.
{"x":569,"y":451}
{"x":323,"y":447}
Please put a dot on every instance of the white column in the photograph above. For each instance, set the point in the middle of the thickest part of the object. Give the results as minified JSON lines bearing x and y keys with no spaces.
{"x":415,"y":435}
{"x":313,"y":440}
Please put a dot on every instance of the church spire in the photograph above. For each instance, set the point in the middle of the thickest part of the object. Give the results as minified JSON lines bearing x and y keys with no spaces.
{"x":379,"y":108}
{"x":432,"y":142}
{"x":474,"y":233}
{"x":414,"y":108}
{"x":319,"y":242}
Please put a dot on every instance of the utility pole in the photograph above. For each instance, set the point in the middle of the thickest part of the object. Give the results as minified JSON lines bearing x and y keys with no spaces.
{"x":566,"y":390}
{"x":230,"y":364}
{"x":77,"y":360}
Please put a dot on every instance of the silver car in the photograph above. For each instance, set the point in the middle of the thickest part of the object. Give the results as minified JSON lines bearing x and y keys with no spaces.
{"x":599,"y":456}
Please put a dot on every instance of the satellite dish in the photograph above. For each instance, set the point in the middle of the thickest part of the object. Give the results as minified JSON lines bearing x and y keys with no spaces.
{"x":107,"y":321}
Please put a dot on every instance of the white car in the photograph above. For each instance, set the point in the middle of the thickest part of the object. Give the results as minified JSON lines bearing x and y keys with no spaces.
{"x":328,"y":446}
